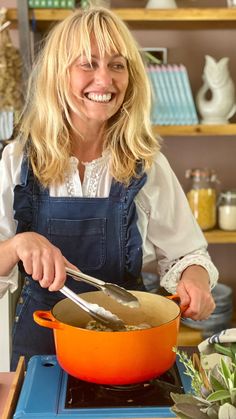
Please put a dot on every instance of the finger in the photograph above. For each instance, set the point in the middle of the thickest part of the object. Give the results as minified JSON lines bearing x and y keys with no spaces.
{"x":185,"y":299}
{"x":59,"y":273}
{"x":183,"y":295}
{"x":48,"y":269}
{"x":28,"y":265}
{"x":200,"y":313}
{"x":37,"y":269}
{"x":193,"y":309}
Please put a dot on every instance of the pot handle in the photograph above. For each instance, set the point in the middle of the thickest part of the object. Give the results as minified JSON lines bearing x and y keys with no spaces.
{"x":176,"y":297}
{"x":46,"y":319}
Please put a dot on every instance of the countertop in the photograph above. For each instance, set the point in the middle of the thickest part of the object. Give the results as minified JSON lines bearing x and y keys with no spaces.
{"x":6,"y":380}
{"x":10,"y":387}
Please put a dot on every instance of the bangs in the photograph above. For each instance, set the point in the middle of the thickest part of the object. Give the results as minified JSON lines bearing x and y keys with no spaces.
{"x":105,"y":31}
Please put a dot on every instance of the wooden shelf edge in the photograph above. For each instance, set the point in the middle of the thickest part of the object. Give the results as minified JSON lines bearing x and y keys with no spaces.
{"x":15,"y":390}
{"x":195,"y":130}
{"x":177,"y":15}
{"x":220,"y":236}
{"x":143,"y":15}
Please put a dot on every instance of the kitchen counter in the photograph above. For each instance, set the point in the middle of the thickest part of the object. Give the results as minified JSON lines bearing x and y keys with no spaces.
{"x":6,"y":379}
{"x":10,"y":386}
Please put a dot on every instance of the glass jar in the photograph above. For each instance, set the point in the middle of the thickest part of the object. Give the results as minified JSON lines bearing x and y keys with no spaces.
{"x":227,"y":210}
{"x":84,"y":4}
{"x":202,"y":196}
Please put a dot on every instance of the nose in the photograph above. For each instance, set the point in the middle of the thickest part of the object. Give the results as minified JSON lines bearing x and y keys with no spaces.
{"x":103,"y":76}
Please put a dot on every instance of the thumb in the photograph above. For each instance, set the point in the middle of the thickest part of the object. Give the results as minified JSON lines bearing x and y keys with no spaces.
{"x":183,"y":294}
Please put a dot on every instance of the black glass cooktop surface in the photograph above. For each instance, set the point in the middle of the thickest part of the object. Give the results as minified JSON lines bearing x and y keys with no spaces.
{"x":156,"y":392}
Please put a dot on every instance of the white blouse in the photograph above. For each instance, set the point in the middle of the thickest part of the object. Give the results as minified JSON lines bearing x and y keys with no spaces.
{"x":171,"y":236}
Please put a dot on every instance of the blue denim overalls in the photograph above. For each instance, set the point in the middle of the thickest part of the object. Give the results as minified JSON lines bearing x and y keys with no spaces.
{"x":99,"y":235}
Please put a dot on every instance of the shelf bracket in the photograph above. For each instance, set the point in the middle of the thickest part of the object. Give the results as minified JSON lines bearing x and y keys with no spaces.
{"x":24,"y":35}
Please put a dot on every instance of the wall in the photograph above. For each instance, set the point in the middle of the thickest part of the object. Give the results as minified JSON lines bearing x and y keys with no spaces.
{"x":190,"y":47}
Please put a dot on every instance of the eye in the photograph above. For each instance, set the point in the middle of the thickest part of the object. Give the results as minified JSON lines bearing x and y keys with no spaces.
{"x":87,"y":65}
{"x":119,"y":66}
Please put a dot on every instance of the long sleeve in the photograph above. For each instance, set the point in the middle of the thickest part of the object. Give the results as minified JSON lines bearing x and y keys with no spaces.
{"x":170,"y":233}
{"x":9,"y":176}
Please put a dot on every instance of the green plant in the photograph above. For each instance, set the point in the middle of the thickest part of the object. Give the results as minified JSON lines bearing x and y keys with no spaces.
{"x":213,"y":390}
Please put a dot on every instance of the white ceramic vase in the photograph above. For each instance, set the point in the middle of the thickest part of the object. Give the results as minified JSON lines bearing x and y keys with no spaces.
{"x":221,"y":105}
{"x":161,"y":4}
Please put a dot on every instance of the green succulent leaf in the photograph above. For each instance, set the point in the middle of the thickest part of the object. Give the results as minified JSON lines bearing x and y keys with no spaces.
{"x":233,"y":396}
{"x":216,"y":384}
{"x":219,"y":396}
{"x":233,"y":351}
{"x":190,"y":411}
{"x":179,"y":414}
{"x":212,"y":412}
{"x":227,"y":411}
{"x":225,"y":370}
{"x":224,"y":350}
{"x":185,"y":398}
{"x":216,"y":372}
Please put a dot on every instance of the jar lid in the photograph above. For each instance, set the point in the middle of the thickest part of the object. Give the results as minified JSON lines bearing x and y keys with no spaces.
{"x":197,"y":174}
{"x":229,"y":194}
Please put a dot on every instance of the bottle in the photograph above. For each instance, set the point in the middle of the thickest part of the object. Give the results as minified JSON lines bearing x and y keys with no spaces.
{"x":84,"y":4}
{"x":202,"y":196}
{"x":227,"y":210}
{"x":161,"y":4}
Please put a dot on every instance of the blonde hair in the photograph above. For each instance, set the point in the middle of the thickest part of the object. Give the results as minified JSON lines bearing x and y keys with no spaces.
{"x":46,"y":125}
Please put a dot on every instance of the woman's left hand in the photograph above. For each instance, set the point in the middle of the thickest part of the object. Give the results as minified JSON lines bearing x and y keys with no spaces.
{"x":194,"y":292}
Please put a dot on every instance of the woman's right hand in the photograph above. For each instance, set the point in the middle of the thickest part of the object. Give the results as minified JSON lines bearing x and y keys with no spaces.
{"x":41,"y":259}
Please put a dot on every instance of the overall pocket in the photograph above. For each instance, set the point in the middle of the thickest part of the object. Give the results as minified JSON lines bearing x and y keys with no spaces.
{"x":82,"y":242}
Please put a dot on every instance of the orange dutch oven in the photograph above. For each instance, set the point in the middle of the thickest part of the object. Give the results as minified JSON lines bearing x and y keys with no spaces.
{"x":117,"y":358}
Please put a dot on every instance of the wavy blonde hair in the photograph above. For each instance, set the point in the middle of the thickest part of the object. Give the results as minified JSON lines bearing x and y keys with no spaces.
{"x":46,"y":126}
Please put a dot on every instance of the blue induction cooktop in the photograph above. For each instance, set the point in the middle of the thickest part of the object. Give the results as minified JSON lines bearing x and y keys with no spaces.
{"x":49,"y":393}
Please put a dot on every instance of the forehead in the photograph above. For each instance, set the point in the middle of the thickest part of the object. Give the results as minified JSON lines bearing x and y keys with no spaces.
{"x":95,"y":52}
{"x":104,"y":41}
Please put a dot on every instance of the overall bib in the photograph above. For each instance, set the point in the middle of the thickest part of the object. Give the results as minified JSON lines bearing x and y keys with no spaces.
{"x":99,"y":235}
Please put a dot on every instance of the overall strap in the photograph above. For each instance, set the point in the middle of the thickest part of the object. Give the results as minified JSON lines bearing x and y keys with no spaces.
{"x":127,"y":192}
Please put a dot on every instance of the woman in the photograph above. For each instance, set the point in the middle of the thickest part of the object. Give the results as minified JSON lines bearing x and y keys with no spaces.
{"x":86,"y":186}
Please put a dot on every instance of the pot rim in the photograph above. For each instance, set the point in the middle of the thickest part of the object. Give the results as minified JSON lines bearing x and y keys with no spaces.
{"x":124,"y":331}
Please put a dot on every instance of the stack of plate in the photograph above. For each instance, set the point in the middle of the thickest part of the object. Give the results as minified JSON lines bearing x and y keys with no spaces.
{"x":221,"y":318}
{"x":151,"y":281}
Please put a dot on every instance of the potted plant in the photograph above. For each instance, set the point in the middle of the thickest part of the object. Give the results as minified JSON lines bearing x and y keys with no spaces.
{"x":213,"y":382}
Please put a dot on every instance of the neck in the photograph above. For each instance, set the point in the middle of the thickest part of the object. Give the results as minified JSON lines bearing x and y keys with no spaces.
{"x":89,"y":145}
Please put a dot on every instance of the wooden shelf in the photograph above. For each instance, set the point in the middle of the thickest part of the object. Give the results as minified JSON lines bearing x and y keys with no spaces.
{"x":220,"y":236}
{"x":195,"y":130}
{"x":188,"y":336}
{"x":143,"y":15}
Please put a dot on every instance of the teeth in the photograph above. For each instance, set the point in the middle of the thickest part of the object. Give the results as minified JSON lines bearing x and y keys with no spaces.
{"x":99,"y":98}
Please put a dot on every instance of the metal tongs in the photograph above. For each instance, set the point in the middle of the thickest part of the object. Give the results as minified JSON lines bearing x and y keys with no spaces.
{"x":97,"y":312}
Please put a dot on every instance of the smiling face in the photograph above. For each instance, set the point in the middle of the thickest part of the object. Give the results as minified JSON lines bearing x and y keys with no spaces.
{"x":99,"y":85}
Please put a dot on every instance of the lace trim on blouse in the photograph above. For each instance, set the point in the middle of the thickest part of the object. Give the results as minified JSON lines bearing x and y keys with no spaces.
{"x":171,"y":273}
{"x":93,"y":171}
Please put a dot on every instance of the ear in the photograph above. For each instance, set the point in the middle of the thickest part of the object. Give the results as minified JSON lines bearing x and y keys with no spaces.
{"x":210,"y":60}
{"x":222,"y":64}
{"x":210,"y":66}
